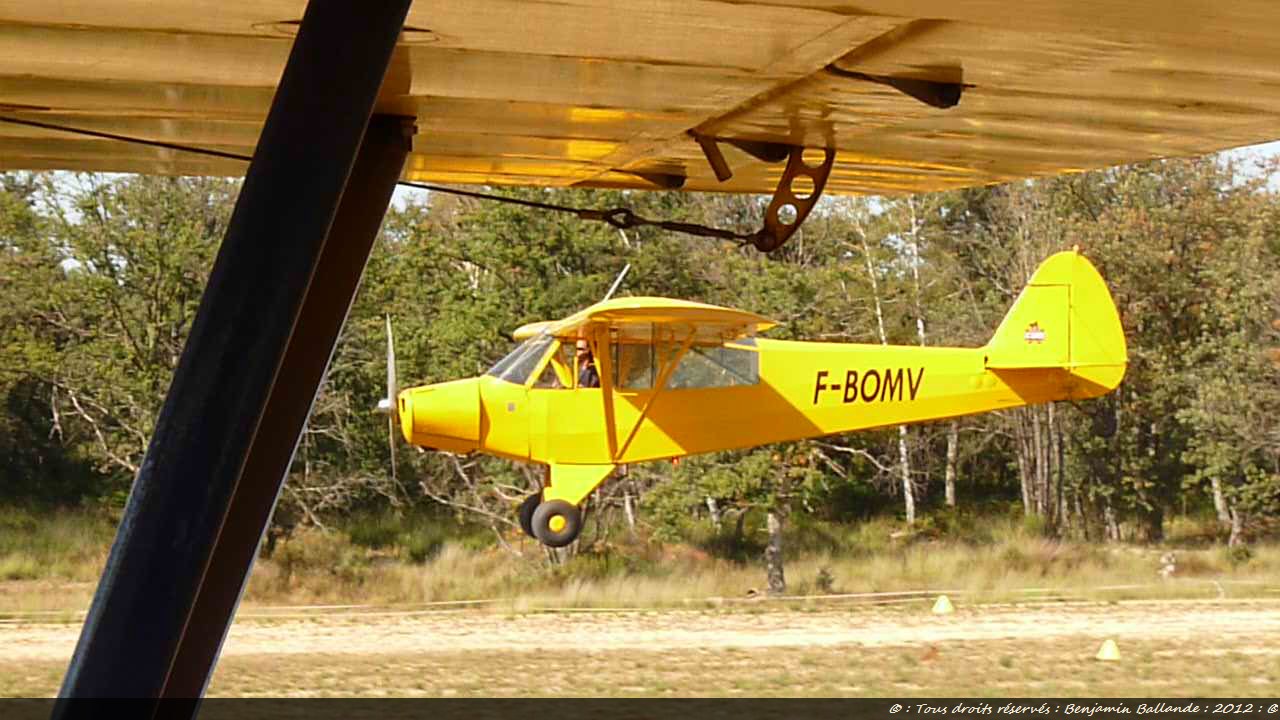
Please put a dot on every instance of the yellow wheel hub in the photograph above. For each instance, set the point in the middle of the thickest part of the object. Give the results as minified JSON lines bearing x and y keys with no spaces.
{"x":556,"y":523}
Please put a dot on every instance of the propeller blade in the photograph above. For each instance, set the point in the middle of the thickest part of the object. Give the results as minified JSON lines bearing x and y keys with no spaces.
{"x":393,"y":393}
{"x":393,"y":387}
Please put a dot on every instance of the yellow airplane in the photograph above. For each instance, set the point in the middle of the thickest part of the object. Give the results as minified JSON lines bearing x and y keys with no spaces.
{"x":637,"y":379}
{"x":798,"y":98}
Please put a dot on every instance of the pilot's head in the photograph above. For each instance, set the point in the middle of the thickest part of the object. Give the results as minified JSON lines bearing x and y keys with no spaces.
{"x":584,"y":350}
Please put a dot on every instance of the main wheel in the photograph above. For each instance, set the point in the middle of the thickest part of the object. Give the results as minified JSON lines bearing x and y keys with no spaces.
{"x":557,"y":523}
{"x":526,"y":513}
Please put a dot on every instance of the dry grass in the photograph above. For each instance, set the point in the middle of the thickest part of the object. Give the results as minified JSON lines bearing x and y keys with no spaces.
{"x":51,"y":563}
{"x":638,"y":576}
{"x":69,"y":546}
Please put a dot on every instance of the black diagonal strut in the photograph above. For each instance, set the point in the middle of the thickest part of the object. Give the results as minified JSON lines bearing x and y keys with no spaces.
{"x":324,"y":310}
{"x":235,"y":392}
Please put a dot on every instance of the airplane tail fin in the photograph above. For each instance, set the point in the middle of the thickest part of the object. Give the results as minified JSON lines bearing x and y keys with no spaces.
{"x":1064,"y":319}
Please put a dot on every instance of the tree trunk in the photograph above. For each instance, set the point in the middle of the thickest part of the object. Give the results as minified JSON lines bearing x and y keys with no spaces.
{"x":1051,"y":465}
{"x":902,"y":436}
{"x":740,"y":528}
{"x":1151,"y":525}
{"x":1081,"y":517}
{"x":713,"y":509}
{"x":629,"y":507}
{"x":1037,"y":445}
{"x":904,"y":459}
{"x":1061,"y":463}
{"x":1024,"y":464}
{"x":1220,"y":502}
{"x":1237,"y":528}
{"x":1113,"y":526}
{"x":953,"y":448}
{"x":773,"y":554}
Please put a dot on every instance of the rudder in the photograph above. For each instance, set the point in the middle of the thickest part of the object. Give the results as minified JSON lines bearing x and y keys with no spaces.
{"x":1064,"y":318}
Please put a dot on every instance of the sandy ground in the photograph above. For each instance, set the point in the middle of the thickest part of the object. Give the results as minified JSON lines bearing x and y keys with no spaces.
{"x":1257,"y":623}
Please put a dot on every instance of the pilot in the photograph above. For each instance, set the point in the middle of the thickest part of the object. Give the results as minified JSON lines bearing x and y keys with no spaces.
{"x":587,"y":375}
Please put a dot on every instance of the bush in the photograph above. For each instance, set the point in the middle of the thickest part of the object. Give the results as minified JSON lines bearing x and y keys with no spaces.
{"x":606,"y":563}
{"x":825,"y":582}
{"x":421,"y":546}
{"x":316,"y":551}
{"x":1238,"y":556}
{"x":802,"y":535}
{"x":727,"y":544}
{"x":1014,"y":559}
{"x":373,"y":531}
{"x":1049,"y":558}
{"x":19,"y":567}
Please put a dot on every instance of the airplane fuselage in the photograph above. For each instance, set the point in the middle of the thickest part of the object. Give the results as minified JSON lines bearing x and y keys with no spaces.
{"x":803,"y":390}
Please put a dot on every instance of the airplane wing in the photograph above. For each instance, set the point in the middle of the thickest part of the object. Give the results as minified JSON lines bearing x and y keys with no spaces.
{"x":643,"y":319}
{"x":913,"y":95}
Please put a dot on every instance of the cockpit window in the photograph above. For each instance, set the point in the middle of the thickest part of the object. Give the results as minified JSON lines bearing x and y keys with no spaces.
{"x":733,"y":364}
{"x":634,"y":366}
{"x":520,"y":363}
{"x":557,"y":374}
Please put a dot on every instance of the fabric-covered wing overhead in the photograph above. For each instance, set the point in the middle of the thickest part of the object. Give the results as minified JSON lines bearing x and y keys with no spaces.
{"x":645,"y":319}
{"x":606,"y":93}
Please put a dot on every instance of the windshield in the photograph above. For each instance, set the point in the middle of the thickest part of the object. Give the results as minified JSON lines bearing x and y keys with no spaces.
{"x":520,"y":363}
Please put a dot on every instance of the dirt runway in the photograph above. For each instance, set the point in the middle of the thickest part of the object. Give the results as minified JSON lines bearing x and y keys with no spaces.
{"x":1253,"y":623}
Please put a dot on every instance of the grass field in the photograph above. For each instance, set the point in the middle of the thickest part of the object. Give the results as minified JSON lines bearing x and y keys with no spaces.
{"x":50,"y":564}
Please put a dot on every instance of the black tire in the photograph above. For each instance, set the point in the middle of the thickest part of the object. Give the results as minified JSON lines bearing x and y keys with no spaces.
{"x":551,"y":513}
{"x":525,"y":513}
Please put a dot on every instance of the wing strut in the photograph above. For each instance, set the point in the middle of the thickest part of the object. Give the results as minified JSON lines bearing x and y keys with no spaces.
{"x":286,"y":272}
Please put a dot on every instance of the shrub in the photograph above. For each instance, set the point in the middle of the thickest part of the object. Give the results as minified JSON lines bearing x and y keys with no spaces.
{"x":421,"y":546}
{"x":373,"y":531}
{"x":825,"y":582}
{"x":1239,"y":555}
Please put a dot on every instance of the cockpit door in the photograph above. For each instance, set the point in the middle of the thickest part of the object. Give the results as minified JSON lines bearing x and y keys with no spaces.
{"x":567,"y":425}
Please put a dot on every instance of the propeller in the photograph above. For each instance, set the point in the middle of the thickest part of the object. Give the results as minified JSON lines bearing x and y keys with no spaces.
{"x":393,"y":387}
{"x":388,"y":404}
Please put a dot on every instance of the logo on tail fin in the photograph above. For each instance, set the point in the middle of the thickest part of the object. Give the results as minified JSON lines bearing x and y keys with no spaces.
{"x":1034,"y":333}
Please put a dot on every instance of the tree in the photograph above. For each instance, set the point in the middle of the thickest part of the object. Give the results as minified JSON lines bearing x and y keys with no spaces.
{"x":773,"y":480}
{"x":39,"y":454}
{"x":1234,"y":372}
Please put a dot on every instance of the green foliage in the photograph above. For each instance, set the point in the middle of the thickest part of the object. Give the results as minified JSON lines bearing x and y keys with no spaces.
{"x":1238,"y":555}
{"x":825,"y":582}
{"x":610,"y":563}
{"x":422,"y":546}
{"x":373,"y":532}
{"x":39,"y":543}
{"x":105,"y":276}
{"x":322,"y":553}
{"x":100,"y":278}
{"x":417,"y":536}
